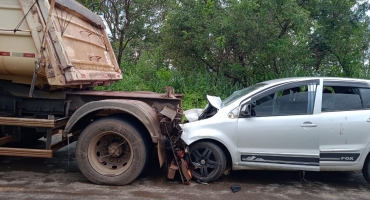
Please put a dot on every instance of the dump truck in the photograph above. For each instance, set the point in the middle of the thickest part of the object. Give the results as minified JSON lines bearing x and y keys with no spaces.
{"x":53,"y":53}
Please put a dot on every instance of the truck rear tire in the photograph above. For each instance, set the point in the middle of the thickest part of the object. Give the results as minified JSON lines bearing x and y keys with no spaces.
{"x":111,"y":151}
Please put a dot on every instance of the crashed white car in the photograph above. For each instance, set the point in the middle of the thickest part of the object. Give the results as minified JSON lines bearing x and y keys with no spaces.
{"x":305,"y":124}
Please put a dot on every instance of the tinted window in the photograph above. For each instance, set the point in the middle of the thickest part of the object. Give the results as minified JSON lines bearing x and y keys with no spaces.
{"x":292,"y":101}
{"x":339,"y":98}
{"x":240,"y":93}
{"x":365,"y":93}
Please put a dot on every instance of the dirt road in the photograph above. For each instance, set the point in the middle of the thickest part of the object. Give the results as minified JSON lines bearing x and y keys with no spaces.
{"x":60,"y":178}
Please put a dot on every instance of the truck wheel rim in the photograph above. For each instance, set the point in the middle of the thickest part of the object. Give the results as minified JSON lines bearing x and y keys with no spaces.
{"x":110,"y":154}
{"x":204,"y":160}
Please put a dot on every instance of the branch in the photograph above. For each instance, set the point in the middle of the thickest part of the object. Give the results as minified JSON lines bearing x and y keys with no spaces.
{"x":116,"y":24}
{"x":285,"y":28}
{"x":235,"y":79}
{"x":281,"y":26}
{"x":124,"y":46}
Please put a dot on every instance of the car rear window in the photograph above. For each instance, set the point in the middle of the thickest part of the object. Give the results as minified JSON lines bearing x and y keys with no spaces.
{"x":340,"y":98}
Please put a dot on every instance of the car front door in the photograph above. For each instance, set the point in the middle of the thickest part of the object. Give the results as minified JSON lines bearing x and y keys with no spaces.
{"x":282,"y":128}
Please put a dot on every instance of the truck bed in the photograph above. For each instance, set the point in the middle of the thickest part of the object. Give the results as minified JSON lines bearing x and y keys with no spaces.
{"x":76,"y":51}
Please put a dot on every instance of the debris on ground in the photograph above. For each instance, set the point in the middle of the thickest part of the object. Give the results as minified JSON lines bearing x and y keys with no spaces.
{"x":301,"y":175}
{"x":235,"y":188}
{"x":201,"y":182}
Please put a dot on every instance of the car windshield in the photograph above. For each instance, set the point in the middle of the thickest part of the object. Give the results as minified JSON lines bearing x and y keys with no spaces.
{"x":240,"y":93}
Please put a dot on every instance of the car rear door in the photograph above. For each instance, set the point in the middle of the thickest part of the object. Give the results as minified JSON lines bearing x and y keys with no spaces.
{"x":282,"y":131}
{"x":345,"y":117}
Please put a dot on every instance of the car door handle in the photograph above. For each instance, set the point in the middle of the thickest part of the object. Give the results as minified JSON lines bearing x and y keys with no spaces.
{"x":368,"y":120}
{"x":308,"y":124}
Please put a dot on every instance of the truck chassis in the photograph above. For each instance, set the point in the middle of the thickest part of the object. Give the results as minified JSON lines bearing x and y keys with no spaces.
{"x":120,"y":120}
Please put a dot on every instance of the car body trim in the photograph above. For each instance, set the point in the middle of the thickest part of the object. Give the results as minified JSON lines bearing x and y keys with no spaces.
{"x":340,"y":150}
{"x":293,"y":160}
{"x":342,"y":157}
{"x":360,"y":84}
{"x":281,"y":154}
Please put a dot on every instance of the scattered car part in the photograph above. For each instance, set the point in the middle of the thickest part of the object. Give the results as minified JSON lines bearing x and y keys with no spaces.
{"x":301,"y":175}
{"x":235,"y":188}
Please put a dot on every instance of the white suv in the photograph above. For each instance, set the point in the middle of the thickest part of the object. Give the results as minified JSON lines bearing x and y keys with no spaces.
{"x":308,"y":124}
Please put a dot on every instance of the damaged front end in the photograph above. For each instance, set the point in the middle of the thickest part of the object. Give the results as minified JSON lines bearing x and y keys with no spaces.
{"x":213,"y":105}
{"x":171,"y":145}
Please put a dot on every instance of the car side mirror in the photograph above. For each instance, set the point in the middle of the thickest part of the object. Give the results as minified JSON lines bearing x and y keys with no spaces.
{"x":246,"y":110}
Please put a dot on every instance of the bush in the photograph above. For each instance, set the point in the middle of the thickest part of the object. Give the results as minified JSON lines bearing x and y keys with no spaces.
{"x":195,"y":85}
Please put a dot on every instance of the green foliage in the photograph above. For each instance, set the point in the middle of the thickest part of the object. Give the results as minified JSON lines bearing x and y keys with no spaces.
{"x":195,"y":85}
{"x":215,"y":47}
{"x":131,"y":24}
{"x":342,"y":35}
{"x":251,"y":41}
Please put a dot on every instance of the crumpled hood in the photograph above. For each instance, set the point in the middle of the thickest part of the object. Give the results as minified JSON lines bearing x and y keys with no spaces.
{"x":214,"y":101}
{"x":193,"y":114}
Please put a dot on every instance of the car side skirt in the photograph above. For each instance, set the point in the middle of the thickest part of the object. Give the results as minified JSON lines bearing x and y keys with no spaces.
{"x":277,"y":159}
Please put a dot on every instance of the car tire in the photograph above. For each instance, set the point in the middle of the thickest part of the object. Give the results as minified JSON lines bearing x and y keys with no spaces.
{"x":111,"y":151}
{"x":209,"y":161}
{"x":366,"y":169}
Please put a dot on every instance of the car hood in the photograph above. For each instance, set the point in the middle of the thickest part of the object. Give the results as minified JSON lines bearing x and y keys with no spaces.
{"x":214,"y":101}
{"x":193,"y":114}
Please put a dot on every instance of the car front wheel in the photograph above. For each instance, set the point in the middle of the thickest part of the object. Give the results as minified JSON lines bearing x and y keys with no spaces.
{"x":209,"y":161}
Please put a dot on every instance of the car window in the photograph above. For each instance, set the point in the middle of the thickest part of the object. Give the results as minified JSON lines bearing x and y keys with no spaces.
{"x":340,"y":98}
{"x":291,"y":101}
{"x":240,"y":93}
{"x":365,"y":93}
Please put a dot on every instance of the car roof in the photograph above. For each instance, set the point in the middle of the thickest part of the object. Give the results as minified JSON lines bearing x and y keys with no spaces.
{"x":291,"y":79}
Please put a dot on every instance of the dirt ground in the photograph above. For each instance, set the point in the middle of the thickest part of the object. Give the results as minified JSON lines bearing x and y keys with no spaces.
{"x":60,"y":178}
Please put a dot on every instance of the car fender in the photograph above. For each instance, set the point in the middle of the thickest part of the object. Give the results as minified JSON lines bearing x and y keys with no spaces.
{"x":199,"y":133}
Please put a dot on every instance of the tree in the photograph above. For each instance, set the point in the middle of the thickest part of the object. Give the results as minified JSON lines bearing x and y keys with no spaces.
{"x":247,"y":41}
{"x":251,"y":41}
{"x":341,"y":36}
{"x":130,"y":22}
